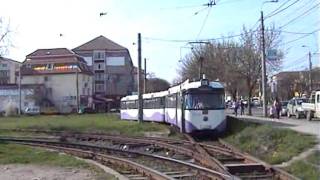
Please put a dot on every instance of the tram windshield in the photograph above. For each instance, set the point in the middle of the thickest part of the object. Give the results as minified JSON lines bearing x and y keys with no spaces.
{"x":204,"y":101}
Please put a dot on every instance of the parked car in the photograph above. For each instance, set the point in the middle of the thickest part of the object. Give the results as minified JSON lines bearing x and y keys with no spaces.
{"x":32,"y":110}
{"x":284,"y":108}
{"x":295,"y":107}
{"x":312,"y":108}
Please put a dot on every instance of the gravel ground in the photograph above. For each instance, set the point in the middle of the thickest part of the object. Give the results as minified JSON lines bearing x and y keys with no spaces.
{"x":34,"y":172}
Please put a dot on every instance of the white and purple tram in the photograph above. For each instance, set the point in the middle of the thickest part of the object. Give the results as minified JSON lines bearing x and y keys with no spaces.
{"x":191,"y":106}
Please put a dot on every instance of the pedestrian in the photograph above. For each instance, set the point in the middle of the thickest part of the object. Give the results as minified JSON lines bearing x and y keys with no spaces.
{"x":278,"y":107}
{"x":236,"y":107}
{"x":242,"y":107}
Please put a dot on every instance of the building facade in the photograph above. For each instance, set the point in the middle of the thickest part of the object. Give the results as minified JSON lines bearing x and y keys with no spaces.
{"x":295,"y":83}
{"x":66,"y":77}
{"x":112,"y":67}
{"x":8,"y":69}
{"x":9,"y":96}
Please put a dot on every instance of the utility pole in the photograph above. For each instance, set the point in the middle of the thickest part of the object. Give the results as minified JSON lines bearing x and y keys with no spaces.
{"x":140,"y":101}
{"x":77,"y":89}
{"x":310,"y":72}
{"x":145,"y":76}
{"x":19,"y":81}
{"x":263,"y":63}
{"x":200,"y":67}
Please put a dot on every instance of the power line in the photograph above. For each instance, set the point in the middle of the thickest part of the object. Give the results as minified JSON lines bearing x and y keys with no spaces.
{"x":270,"y":15}
{"x":277,"y":9}
{"x":304,"y":13}
{"x":297,"y":9}
{"x":288,"y":42}
{"x":204,"y":23}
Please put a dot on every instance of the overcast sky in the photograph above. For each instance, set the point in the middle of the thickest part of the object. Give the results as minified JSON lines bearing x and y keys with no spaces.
{"x":38,"y":24}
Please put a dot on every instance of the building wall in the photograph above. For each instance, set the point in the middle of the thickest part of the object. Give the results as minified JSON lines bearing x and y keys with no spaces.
{"x":10,"y":97}
{"x":61,"y":89}
{"x":116,"y":80}
{"x":7,"y":71}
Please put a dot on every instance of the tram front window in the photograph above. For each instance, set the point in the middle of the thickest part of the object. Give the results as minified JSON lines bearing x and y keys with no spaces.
{"x":204,"y":101}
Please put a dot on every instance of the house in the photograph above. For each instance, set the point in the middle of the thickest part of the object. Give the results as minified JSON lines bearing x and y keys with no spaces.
{"x":290,"y":83}
{"x":8,"y":68}
{"x":65,"y":75}
{"x":112,"y":67}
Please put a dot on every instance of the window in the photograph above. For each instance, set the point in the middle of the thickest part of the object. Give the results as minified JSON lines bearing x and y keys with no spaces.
{"x":99,"y":76}
{"x":205,"y":101}
{"x":171,"y":101}
{"x":318,"y":98}
{"x":88,"y":60}
{"x":49,"y":66}
{"x":46,"y":78}
{"x":115,"y":61}
{"x":4,"y":65}
{"x":99,"y":87}
{"x":98,"y":55}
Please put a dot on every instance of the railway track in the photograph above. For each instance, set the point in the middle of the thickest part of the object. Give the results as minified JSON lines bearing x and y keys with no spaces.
{"x":223,"y":160}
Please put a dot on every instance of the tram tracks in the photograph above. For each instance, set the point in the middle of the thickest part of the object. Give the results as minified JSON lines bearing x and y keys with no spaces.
{"x":218,"y":160}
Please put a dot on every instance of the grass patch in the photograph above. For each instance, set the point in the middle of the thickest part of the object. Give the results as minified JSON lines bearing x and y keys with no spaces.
{"x":104,"y":123}
{"x":270,"y":144}
{"x":308,"y":168}
{"x":20,"y":154}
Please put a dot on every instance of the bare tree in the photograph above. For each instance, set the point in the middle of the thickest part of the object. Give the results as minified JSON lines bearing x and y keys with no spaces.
{"x":236,"y":63}
{"x":4,"y":37}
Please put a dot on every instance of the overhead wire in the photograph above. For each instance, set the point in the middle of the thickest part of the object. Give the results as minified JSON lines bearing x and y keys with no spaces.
{"x":277,"y":8}
{"x":204,"y":23}
{"x":282,"y":9}
{"x":301,"y":15}
{"x":305,"y":35}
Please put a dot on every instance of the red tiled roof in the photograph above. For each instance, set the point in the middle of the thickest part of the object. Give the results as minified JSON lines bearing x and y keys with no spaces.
{"x":99,"y":43}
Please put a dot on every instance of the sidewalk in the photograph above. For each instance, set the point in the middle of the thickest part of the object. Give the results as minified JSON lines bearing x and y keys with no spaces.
{"x":300,"y":125}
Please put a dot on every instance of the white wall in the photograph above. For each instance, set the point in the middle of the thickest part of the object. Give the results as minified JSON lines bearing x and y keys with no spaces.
{"x":63,"y":87}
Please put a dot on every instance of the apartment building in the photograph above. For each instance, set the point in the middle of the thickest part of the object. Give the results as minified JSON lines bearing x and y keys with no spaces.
{"x":8,"y":69}
{"x":65,"y":75}
{"x":113,"y":71}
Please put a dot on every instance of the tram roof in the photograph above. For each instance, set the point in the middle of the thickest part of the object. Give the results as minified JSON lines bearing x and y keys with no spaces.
{"x":175,"y":89}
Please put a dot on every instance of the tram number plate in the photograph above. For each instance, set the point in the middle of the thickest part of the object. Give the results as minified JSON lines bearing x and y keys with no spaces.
{"x":205,"y":126}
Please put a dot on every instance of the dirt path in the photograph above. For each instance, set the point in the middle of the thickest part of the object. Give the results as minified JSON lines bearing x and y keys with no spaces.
{"x":36,"y":172}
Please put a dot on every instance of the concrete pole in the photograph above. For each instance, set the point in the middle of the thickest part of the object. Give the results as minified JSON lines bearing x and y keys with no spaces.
{"x":145,"y":76}
{"x":200,"y":67}
{"x":263,"y":63}
{"x":19,"y":86}
{"x":310,"y":72}
{"x":77,"y":89}
{"x":140,"y":101}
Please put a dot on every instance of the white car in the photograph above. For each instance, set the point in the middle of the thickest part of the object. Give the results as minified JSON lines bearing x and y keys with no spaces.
{"x":32,"y":110}
{"x":294,"y":107}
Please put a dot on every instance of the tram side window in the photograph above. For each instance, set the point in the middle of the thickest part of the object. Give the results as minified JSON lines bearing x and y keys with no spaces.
{"x":123,"y":105}
{"x":171,"y":101}
{"x":154,"y":103}
{"x":131,"y":105}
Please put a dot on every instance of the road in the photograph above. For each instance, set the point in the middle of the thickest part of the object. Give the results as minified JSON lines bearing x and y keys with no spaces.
{"x":300,"y":125}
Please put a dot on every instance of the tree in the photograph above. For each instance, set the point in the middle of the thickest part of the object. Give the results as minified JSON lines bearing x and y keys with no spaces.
{"x":236,"y":63}
{"x":4,"y":37}
{"x":156,"y":85}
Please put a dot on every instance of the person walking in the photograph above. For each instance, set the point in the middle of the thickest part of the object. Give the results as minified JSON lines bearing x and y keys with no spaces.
{"x":236,"y":107}
{"x":277,"y":106}
{"x":242,"y":107}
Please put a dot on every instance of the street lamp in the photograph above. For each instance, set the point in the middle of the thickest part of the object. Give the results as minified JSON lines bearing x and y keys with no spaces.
{"x":263,"y":61}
